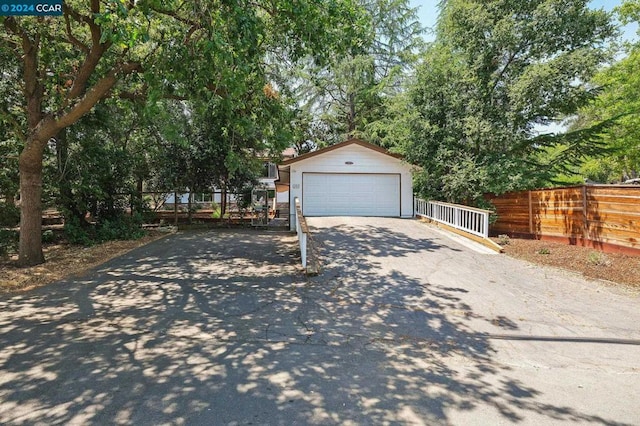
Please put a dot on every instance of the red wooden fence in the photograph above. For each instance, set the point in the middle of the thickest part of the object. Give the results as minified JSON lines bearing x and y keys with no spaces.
{"x":602,"y":216}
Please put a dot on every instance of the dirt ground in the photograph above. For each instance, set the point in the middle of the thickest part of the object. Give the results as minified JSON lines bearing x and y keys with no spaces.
{"x":612,"y":267}
{"x":64,"y":260}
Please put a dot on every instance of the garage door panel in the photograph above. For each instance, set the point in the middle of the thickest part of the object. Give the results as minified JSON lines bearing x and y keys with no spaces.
{"x":351,"y":194}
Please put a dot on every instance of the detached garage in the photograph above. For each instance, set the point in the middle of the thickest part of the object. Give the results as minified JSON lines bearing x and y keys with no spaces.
{"x":352,"y":178}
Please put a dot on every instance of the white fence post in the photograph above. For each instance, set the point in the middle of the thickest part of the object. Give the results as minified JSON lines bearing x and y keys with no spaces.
{"x":303,"y":248}
{"x":301,"y":231}
{"x":485,"y":224}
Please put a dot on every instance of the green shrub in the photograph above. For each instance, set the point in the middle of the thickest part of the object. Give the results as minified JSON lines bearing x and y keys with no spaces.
{"x":78,"y":233}
{"x":48,"y":236}
{"x":544,"y":250}
{"x":9,"y":215}
{"x":123,"y":227}
{"x":597,"y":258}
{"x":8,"y":242}
{"x":504,"y":239}
{"x":217,"y":211}
{"x":195,"y":207}
{"x":147,"y":216}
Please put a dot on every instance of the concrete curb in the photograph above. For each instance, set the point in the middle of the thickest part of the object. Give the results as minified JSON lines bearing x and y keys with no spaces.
{"x":484,"y":241}
{"x":313,"y":258}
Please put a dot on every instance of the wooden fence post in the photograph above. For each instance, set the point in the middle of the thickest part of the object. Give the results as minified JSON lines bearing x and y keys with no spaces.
{"x":585,"y":224}
{"x":530,"y":214}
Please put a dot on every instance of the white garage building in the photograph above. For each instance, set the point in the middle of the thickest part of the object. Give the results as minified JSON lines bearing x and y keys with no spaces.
{"x":352,"y":178}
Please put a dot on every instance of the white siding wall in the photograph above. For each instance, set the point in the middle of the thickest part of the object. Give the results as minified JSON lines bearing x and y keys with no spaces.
{"x":364,"y":161}
{"x":282,"y":197}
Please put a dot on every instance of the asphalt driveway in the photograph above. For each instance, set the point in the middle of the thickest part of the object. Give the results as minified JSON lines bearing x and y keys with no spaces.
{"x":404,"y":326}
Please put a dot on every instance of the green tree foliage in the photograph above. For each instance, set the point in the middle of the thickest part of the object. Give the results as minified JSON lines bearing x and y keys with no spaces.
{"x":9,"y":213}
{"x":348,"y":96}
{"x":9,"y":147}
{"x":98,"y":162}
{"x":619,"y":101}
{"x":497,"y":71}
{"x":201,"y":147}
{"x":629,"y":11}
{"x":64,"y":66}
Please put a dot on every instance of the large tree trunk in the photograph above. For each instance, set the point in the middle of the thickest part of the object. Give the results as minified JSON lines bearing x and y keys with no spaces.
{"x":78,"y":101}
{"x":31,"y":204}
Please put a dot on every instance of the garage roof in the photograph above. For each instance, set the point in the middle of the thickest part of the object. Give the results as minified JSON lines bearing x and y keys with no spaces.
{"x":360,"y":142}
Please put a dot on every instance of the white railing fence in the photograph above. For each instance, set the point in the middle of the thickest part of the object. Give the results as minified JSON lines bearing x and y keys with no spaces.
{"x":302,"y":230}
{"x":468,"y":219}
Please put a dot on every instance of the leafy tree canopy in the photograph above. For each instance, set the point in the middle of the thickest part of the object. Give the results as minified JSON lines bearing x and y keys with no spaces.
{"x":348,"y":95}
{"x":615,"y":112}
{"x":497,"y":71}
{"x":62,"y":67}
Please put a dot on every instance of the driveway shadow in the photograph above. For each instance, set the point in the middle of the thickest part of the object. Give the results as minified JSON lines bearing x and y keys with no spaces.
{"x":223,"y":328}
{"x":434,"y":363}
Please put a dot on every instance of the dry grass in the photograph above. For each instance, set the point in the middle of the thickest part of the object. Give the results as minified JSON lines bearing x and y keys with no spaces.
{"x":613,"y":267}
{"x":63,"y":261}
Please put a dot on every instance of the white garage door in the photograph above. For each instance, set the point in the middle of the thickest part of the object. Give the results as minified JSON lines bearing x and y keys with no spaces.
{"x":325,"y":194}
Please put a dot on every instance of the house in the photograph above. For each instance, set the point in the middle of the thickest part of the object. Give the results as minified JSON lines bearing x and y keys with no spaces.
{"x":270,"y":177}
{"x":352,"y":178}
{"x":278,"y":194}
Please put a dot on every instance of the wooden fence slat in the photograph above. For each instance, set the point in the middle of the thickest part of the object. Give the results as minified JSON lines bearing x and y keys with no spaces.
{"x":604,"y":214}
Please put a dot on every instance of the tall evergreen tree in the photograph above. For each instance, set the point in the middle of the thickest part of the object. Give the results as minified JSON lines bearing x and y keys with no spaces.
{"x":497,"y":71}
{"x":348,"y":97}
{"x":619,"y":101}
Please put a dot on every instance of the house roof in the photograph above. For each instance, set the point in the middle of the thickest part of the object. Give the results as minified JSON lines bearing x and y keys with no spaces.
{"x":289,"y":153}
{"x":360,"y":142}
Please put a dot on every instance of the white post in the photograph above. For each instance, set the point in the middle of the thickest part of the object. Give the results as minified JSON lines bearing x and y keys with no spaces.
{"x":302,"y":236}
{"x":303,"y":248}
{"x":485,"y":230}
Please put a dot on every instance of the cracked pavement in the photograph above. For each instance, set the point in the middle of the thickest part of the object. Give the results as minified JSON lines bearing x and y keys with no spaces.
{"x":403,"y":326}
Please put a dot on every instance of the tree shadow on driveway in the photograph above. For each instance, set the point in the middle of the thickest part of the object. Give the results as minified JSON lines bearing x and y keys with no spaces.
{"x":222,"y":328}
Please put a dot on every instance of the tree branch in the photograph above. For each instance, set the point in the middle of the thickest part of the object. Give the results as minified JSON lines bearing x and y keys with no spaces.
{"x":74,"y":41}
{"x":510,"y":60}
{"x":96,"y":32}
{"x":94,"y":54}
{"x":98,"y":92}
{"x":77,"y":16}
{"x":173,"y":14}
{"x":33,"y":90}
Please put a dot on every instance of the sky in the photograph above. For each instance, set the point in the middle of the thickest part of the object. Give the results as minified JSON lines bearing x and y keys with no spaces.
{"x":428,"y":14}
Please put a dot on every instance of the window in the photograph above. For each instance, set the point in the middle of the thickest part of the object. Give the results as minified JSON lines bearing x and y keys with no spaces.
{"x":270,"y":171}
{"x":203,"y":197}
